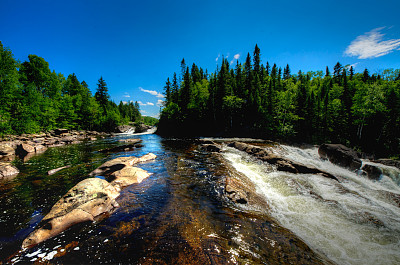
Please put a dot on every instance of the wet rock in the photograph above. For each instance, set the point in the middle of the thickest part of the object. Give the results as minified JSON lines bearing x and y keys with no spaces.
{"x":123,"y":128}
{"x":7,"y":153}
{"x":210,"y":148}
{"x":142,"y":128}
{"x":132,"y":141}
{"x":388,"y":162}
{"x":24,"y":149}
{"x":89,"y":199}
{"x":234,"y":190}
{"x":40,"y":148}
{"x":340,"y":155}
{"x":372,"y":171}
{"x":53,"y":171}
{"x":281,"y":163}
{"x":128,"y":176}
{"x":60,"y":131}
{"x":85,"y":201}
{"x":7,"y":170}
{"x":125,"y":147}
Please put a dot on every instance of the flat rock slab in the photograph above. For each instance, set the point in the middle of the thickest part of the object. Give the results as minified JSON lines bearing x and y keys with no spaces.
{"x":89,"y":198}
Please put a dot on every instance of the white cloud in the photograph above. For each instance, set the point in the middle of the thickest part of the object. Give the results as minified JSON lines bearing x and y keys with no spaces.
{"x":160,"y":102}
{"x":216,"y":59}
{"x":145,"y":104}
{"x":152,"y":92}
{"x":236,"y":56}
{"x":371,"y":45}
{"x":126,"y":95}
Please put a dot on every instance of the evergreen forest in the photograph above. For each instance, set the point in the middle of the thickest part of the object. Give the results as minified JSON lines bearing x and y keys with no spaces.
{"x":253,"y":99}
{"x":35,"y":99}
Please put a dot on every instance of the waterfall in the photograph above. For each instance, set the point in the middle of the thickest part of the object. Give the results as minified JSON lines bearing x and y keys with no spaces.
{"x":354,"y":221}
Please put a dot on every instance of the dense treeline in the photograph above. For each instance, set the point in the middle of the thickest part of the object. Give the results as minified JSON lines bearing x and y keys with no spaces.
{"x":257,"y":100}
{"x":33,"y":99}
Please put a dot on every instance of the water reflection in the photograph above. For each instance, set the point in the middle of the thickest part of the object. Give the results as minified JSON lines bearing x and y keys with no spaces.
{"x":178,"y":215}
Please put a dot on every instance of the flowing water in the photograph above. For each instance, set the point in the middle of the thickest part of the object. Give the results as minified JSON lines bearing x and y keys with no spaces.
{"x":180,"y":214}
{"x":354,"y":221}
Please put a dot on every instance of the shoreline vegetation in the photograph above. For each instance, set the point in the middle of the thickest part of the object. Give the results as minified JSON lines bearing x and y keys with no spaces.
{"x":34,"y":99}
{"x":359,"y":110}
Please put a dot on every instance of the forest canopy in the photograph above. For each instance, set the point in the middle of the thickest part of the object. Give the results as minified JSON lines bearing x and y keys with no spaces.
{"x":34,"y":99}
{"x":263,"y":100}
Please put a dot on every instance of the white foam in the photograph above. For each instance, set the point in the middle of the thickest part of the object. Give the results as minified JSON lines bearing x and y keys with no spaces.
{"x":334,"y":218}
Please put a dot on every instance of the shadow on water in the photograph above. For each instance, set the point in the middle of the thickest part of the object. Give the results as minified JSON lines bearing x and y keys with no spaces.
{"x":177,"y":216}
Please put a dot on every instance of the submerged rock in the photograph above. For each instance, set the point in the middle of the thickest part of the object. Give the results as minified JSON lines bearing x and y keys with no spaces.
{"x":340,"y":155}
{"x":133,"y":143}
{"x":53,"y":171}
{"x":89,"y":198}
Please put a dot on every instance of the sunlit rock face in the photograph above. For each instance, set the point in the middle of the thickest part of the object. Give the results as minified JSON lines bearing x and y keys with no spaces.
{"x":89,"y":198}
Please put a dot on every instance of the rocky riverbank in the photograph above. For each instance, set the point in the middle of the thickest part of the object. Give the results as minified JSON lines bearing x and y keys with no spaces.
{"x":26,"y":145}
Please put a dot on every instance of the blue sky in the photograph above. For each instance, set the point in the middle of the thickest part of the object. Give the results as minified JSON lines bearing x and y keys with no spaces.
{"x":136,"y":45}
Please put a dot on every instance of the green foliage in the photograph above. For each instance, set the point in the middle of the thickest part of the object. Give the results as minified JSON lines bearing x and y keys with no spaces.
{"x":251,"y":100}
{"x":35,"y":99}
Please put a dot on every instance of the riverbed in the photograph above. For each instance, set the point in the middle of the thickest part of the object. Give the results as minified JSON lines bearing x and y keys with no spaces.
{"x":180,"y":214}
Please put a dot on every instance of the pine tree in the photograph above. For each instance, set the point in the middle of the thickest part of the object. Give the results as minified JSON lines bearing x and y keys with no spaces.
{"x":101,"y":94}
{"x":256,"y":59}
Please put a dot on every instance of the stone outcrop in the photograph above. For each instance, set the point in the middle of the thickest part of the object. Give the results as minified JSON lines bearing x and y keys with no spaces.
{"x":90,"y":198}
{"x":123,"y":128}
{"x":281,"y":163}
{"x":340,"y":155}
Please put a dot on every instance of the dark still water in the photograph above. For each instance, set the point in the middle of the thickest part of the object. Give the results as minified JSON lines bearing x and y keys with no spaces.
{"x":179,"y":215}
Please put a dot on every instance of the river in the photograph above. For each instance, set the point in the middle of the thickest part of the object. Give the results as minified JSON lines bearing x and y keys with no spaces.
{"x":180,"y":215}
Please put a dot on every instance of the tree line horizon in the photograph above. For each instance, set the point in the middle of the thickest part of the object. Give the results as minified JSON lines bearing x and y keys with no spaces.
{"x":35,"y":99}
{"x":360,"y":110}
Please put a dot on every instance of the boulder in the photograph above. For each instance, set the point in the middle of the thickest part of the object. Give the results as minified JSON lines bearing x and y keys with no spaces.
{"x":234,"y":190}
{"x":123,"y":128}
{"x":24,"y":149}
{"x":281,"y":163}
{"x":60,"y":131}
{"x":119,"y":163}
{"x":340,"y":155}
{"x":372,"y":171}
{"x":7,"y":152}
{"x":89,"y":198}
{"x":40,"y":148}
{"x":139,"y":128}
{"x":210,"y":148}
{"x":7,"y":170}
{"x":86,"y":200}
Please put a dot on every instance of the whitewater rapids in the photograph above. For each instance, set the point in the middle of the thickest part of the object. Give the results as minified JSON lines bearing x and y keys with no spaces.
{"x":354,"y":221}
